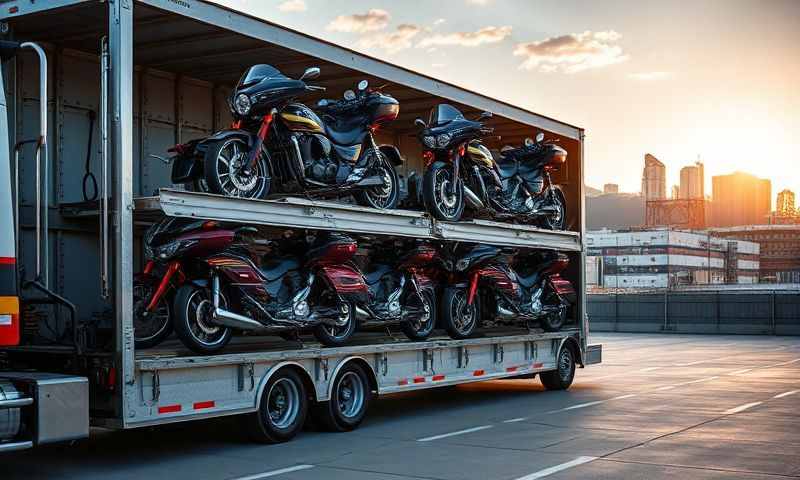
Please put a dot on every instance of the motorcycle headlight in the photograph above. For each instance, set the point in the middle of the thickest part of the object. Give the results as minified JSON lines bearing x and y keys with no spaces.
{"x":242,"y":104}
{"x":462,"y":264}
{"x":169,"y":250}
{"x":443,"y":139}
{"x":429,"y":141}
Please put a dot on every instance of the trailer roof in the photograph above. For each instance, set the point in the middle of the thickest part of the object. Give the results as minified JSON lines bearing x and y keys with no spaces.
{"x":212,"y":42}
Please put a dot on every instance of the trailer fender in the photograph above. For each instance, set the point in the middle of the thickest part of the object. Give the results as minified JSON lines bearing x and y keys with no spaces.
{"x":307,"y":381}
{"x":392,"y":153}
{"x":572,"y":343}
{"x":361,"y":361}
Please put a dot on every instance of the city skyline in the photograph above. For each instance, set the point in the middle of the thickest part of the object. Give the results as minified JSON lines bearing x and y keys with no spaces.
{"x":718,"y":80}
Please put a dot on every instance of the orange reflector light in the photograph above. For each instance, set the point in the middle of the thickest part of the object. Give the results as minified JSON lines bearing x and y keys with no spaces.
{"x":202,"y":405}
{"x":478,"y":373}
{"x":169,"y":408}
{"x":9,"y":321}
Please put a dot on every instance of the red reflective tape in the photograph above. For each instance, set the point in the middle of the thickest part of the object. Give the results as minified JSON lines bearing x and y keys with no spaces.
{"x":538,"y":365}
{"x":8,"y":261}
{"x":169,"y":408}
{"x":511,"y":369}
{"x":478,"y":373}
{"x":419,"y":379}
{"x":403,"y":381}
{"x":202,"y":405}
{"x":437,"y":378}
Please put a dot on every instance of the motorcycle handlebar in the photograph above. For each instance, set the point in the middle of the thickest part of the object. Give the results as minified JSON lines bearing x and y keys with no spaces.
{"x":315,"y":88}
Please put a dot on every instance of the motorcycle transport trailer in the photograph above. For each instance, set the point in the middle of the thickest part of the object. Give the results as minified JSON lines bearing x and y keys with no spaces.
{"x":117,"y":81}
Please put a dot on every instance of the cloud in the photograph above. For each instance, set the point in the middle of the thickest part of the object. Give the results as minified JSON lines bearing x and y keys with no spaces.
{"x":292,"y":6}
{"x":372,"y":21}
{"x":392,"y":42}
{"x":438,"y":22}
{"x":479,"y":2}
{"x":650,"y":76}
{"x":572,"y":53}
{"x":467,"y":39}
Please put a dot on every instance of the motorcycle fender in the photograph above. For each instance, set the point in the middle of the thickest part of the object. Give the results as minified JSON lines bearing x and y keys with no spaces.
{"x":185,"y":169}
{"x":562,"y":287}
{"x":392,"y":153}
{"x":202,"y":145}
{"x":346,"y":280}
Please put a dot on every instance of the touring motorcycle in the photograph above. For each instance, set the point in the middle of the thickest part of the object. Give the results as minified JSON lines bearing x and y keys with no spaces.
{"x":490,"y":283}
{"x":461,"y":170}
{"x":277,"y":145}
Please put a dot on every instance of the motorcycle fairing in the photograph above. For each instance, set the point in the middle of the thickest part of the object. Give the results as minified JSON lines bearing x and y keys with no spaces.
{"x":346,"y":280}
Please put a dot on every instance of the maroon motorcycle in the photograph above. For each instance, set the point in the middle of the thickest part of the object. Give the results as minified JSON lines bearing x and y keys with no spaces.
{"x":485,"y":285}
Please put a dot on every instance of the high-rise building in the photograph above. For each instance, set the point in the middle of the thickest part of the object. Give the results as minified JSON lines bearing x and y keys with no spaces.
{"x":675,"y":192}
{"x":654,"y":179}
{"x":785,"y":204}
{"x":692,"y":182}
{"x":740,"y":199}
{"x":610,"y":188}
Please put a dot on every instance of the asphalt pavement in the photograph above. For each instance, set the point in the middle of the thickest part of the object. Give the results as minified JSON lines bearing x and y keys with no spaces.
{"x":659,"y":406}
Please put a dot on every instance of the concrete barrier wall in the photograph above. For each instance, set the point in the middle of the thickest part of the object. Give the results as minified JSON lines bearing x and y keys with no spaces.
{"x":762,"y":312}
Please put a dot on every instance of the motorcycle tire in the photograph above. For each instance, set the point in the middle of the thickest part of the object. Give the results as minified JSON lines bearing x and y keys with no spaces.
{"x":331,"y":336}
{"x":559,"y":221}
{"x":192,"y":311}
{"x":554,"y":321}
{"x":423,"y":330}
{"x":436,"y":203}
{"x":143,"y":290}
{"x":214,"y":170}
{"x":384,"y":198}
{"x":456,"y":323}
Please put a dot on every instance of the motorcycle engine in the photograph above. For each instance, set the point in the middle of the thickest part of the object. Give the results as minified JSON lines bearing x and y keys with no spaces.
{"x":318,"y":158}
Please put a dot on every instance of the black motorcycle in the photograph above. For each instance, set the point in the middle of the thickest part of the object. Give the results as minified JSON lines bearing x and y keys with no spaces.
{"x":463,"y":171}
{"x":276,"y":145}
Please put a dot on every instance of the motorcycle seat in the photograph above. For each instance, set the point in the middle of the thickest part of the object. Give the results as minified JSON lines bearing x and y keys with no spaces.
{"x":507,"y":168}
{"x":348,"y":130}
{"x":376,"y":274}
{"x":274,"y":269}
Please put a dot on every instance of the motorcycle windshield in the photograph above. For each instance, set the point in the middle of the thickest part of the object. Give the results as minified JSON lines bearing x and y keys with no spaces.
{"x":442,"y":114}
{"x":256,"y":73}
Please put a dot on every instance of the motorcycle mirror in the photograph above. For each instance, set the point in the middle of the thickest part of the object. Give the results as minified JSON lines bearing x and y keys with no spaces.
{"x":362,"y":85}
{"x":349,"y":95}
{"x":485,"y":115}
{"x":528,"y":142}
{"x":539,"y":137}
{"x":322,"y":103}
{"x":420,"y":122}
{"x":310,"y":73}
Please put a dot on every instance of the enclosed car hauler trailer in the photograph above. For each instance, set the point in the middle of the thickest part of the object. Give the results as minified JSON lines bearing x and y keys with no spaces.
{"x":131,"y":78}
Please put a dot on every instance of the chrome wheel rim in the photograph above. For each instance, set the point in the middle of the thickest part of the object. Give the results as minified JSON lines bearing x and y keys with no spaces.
{"x":423,"y":322}
{"x":343,"y":323}
{"x":198,"y":312}
{"x":381,"y":197}
{"x":143,"y":326}
{"x":350,"y":394}
{"x":446,"y":203}
{"x":232,"y":179}
{"x":283,"y":403}
{"x":463,"y":315}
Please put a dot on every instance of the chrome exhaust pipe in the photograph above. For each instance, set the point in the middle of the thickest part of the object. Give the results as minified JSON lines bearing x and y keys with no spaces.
{"x":362,"y":314}
{"x":504,"y":313}
{"x":472,"y":199}
{"x":234,"y":320}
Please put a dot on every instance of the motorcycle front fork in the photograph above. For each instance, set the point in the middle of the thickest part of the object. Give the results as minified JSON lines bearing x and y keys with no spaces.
{"x":173,"y":268}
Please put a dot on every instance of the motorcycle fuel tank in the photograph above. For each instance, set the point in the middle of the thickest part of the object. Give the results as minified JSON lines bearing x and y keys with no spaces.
{"x":299,"y":118}
{"x":480,"y":154}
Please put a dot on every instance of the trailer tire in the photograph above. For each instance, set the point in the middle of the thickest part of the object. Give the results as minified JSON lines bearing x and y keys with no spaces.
{"x":560,"y":378}
{"x":282,"y":411}
{"x":350,"y":399}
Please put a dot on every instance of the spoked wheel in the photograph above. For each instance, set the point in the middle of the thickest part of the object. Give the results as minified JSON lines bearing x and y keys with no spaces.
{"x":193,"y":308}
{"x":350,"y":398}
{"x":338,"y":333}
{"x":558,"y":219}
{"x":443,"y":194}
{"x":282,"y":410}
{"x":385,"y":196}
{"x":420,"y":326}
{"x":225,"y":173}
{"x":560,"y":378}
{"x":150,"y":328}
{"x":460,"y":318}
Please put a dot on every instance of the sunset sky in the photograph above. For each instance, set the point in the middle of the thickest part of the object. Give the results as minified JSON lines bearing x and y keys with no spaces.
{"x":714,"y":78}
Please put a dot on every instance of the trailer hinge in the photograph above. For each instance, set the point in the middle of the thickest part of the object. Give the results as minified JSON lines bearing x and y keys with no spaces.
{"x":463,"y":357}
{"x":427,"y":360}
{"x":498,"y":352}
{"x":383,"y":364}
{"x":321,"y":367}
{"x":554,"y":344}
{"x":156,"y":387}
{"x":247,"y":369}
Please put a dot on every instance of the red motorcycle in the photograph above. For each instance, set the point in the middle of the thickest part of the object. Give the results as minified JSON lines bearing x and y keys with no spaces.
{"x":487,"y":286}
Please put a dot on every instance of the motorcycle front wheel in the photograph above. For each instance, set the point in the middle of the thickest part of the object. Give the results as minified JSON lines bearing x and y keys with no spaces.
{"x":443,"y":194}
{"x":386,"y":196}
{"x":224,"y":175}
{"x":193,"y":310}
{"x":459,"y":318}
{"x":153,"y":328}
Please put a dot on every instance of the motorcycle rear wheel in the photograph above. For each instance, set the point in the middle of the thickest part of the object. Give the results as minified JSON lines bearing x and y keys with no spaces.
{"x":337,"y":335}
{"x":443,"y":195}
{"x":420,"y":329}
{"x":386,"y":196}
{"x":557,"y":221}
{"x":223,"y":175}
{"x":193,"y":309}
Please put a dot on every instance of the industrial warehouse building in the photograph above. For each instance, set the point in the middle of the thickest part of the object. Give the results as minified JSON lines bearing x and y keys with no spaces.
{"x":663,"y":258}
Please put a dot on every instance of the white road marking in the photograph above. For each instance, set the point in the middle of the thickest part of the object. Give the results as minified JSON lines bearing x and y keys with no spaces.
{"x":786,"y":394}
{"x":649,"y":369}
{"x":555,"y":469}
{"x":670,"y":387}
{"x":580,"y":405}
{"x":789,"y":362}
{"x":739,"y":372}
{"x":258,"y":476}
{"x":515,"y":420}
{"x":698,"y":362}
{"x":665,"y":387}
{"x":624,"y":396}
{"x":453,"y":434}
{"x":741,"y":408}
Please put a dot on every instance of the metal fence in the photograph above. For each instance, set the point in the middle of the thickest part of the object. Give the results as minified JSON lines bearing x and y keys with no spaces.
{"x":733,"y":312}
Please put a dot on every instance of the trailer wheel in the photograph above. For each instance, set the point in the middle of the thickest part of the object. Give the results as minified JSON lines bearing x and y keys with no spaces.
{"x":459,"y":318}
{"x":560,"y":378}
{"x":283,"y":409}
{"x":350,"y":398}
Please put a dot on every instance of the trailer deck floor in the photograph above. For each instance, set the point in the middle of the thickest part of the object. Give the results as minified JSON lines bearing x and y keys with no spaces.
{"x":658,"y":407}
